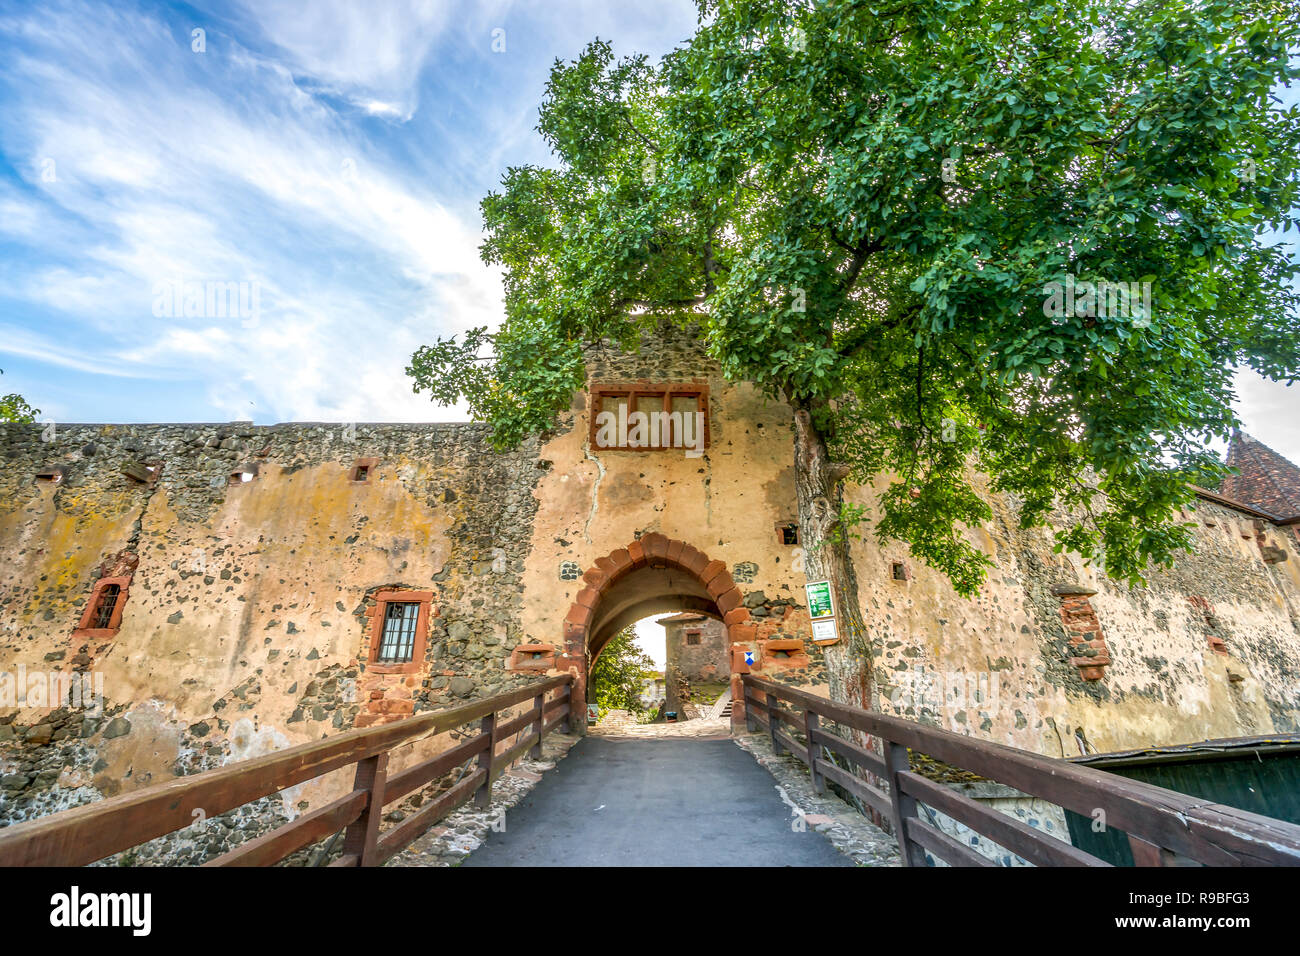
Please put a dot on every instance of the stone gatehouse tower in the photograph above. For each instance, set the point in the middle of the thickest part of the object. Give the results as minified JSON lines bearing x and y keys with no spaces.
{"x":235,"y":589}
{"x":697,"y":651}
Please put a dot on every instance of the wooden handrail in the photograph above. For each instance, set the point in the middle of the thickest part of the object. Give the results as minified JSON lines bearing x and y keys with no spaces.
{"x":1161,"y":824}
{"x":88,"y":833}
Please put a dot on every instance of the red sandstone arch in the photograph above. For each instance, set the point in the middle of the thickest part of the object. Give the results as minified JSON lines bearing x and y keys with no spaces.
{"x":602,"y":607}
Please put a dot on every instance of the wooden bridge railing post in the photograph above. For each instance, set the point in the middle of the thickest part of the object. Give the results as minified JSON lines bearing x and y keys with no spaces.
{"x":773,"y":722}
{"x":1164,"y":827}
{"x":85,"y":834}
{"x":1149,"y":854}
{"x":904,"y":806}
{"x":488,"y":728}
{"x":809,"y":728}
{"x":538,"y":725}
{"x":361,"y":836}
{"x":566,"y":724}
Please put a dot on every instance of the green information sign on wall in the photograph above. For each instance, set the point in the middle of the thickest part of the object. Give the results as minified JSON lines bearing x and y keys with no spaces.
{"x":820,"y":602}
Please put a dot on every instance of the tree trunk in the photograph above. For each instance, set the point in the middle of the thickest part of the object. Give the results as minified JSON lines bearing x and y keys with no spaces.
{"x":819,"y":491}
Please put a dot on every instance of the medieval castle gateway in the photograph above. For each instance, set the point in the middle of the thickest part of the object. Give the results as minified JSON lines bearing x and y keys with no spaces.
{"x":233,"y":590}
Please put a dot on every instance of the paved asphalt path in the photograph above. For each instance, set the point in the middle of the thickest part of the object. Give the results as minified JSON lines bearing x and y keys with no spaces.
{"x":637,"y":802}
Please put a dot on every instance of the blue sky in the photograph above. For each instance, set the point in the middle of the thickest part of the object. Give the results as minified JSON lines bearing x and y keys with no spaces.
{"x":329,"y":155}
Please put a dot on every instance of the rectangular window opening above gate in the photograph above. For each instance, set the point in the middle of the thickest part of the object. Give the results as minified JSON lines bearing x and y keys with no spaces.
{"x":650,"y":417}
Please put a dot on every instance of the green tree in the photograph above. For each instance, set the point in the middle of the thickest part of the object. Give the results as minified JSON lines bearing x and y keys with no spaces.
{"x":618,"y":674}
{"x":870,"y":210}
{"x":14,"y":409}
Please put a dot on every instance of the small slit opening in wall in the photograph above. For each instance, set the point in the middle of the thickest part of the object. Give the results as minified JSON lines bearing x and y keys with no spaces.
{"x":362,"y":473}
{"x":53,"y":475}
{"x":899,"y":571}
{"x":139,"y":472}
{"x":243,"y":473}
{"x":790,"y":534}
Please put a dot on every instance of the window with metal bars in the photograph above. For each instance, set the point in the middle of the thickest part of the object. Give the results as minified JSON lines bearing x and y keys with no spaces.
{"x":104,"y":608}
{"x":397,"y":642}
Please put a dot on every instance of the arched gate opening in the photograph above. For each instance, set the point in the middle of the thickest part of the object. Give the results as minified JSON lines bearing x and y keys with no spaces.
{"x":652,"y":575}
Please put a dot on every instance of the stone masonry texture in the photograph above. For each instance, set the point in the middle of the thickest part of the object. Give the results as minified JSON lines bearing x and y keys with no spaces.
{"x":244,"y":626}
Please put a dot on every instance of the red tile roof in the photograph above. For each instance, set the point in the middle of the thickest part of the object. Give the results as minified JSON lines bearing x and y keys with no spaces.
{"x":1267,"y":481}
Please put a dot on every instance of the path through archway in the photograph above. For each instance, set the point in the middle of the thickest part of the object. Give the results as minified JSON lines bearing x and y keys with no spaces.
{"x":652,"y":575}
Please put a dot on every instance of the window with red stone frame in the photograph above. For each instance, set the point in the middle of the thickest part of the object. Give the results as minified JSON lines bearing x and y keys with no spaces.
{"x":399,"y":631}
{"x":102,"y":616}
{"x":663,"y":400}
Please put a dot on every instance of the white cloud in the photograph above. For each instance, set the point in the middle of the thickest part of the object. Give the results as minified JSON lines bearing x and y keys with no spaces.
{"x":273,"y":158}
{"x":19,"y":217}
{"x":175,"y":181}
{"x":371,"y":53}
{"x":19,"y":341}
{"x":1270,"y":412}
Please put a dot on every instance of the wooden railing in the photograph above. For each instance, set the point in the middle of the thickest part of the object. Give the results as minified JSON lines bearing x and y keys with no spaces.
{"x":85,"y":834}
{"x":1163,"y":827}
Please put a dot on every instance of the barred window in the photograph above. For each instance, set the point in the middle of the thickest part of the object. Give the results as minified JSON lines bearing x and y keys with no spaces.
{"x":108,"y":595}
{"x":102,"y":612}
{"x":692,"y":637}
{"x":397,"y":644}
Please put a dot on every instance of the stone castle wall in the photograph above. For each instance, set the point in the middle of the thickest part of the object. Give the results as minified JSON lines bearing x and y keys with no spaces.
{"x":245,"y":625}
{"x":708,"y":661}
{"x":244,"y":628}
{"x":1056,"y":658}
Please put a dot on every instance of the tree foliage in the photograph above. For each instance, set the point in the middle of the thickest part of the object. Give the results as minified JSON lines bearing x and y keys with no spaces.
{"x":618,"y":674}
{"x":13,"y":408}
{"x":863,"y":207}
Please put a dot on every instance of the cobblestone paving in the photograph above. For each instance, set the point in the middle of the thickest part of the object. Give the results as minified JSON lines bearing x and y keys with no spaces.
{"x":465,"y":828}
{"x":849,"y":831}
{"x":720,"y":727}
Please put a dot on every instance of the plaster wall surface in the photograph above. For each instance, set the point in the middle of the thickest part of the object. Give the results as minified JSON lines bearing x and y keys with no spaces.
{"x":245,"y":628}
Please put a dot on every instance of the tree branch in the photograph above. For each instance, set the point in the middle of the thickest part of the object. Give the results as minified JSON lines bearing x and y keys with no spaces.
{"x":861,"y":254}
{"x":638,"y":134}
{"x":710,"y":266}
